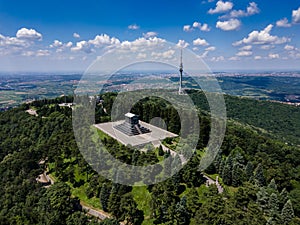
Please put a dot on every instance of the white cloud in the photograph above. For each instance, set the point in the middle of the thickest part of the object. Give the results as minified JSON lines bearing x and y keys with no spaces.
{"x":289,"y":47}
{"x":211,"y":48}
{"x":42,"y":52}
{"x":244,"y":53}
{"x":200,"y":41}
{"x":150,"y":34}
{"x":76,"y":35}
{"x":262,"y":37}
{"x":273,"y":56}
{"x":12,"y":42}
{"x":232,"y":24}
{"x":221,"y":7}
{"x":82,"y":46}
{"x":141,"y":43}
{"x":234,"y":58}
{"x":218,"y":58}
{"x":60,"y":47}
{"x":165,"y":55}
{"x":187,"y":28}
{"x":283,"y":23}
{"x":104,"y":39}
{"x":252,"y":9}
{"x":133,"y":27}
{"x":141,"y":56}
{"x":182,"y":44}
{"x":267,"y":47}
{"x":56,"y":43}
{"x":296,"y":15}
{"x":69,"y":44}
{"x":202,"y":27}
{"x":246,"y":48}
{"x":28,"y":34}
{"x":257,"y":57}
{"x":38,"y":53}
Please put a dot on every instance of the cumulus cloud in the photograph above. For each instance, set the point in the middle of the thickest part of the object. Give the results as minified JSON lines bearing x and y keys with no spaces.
{"x":196,"y":25}
{"x":12,"y":42}
{"x":267,"y":47}
{"x":187,"y":28}
{"x":283,"y":23}
{"x":56,"y":43}
{"x":211,"y":48}
{"x":218,"y":58}
{"x":76,"y":35}
{"x":289,"y":47}
{"x":61,"y":46}
{"x":221,"y":7}
{"x":38,"y":53}
{"x":42,"y":52}
{"x":273,"y":56}
{"x":82,"y":46}
{"x":165,"y":55}
{"x":257,"y":57}
{"x":252,"y":9}
{"x":234,"y":58}
{"x":244,"y":53}
{"x":262,"y":37}
{"x":133,"y":27}
{"x":182,"y":44}
{"x":202,"y":27}
{"x":150,"y":34}
{"x":200,"y":41}
{"x":104,"y":39}
{"x":296,"y":15}
{"x":141,"y":56}
{"x":246,"y":48}
{"x":141,"y":43}
{"x":232,"y":24}
{"x":28,"y":34}
{"x":100,"y":41}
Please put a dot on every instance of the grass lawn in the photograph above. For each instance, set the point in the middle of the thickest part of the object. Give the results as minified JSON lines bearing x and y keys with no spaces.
{"x":143,"y":198}
{"x":80,"y":193}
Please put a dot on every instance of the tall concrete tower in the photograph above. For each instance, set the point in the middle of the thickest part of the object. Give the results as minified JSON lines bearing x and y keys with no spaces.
{"x":181,"y":71}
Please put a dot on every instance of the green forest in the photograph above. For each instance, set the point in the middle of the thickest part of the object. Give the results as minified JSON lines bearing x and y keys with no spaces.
{"x":258,"y":167}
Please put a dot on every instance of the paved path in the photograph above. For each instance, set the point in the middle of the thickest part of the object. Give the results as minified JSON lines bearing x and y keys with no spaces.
{"x":95,"y":212}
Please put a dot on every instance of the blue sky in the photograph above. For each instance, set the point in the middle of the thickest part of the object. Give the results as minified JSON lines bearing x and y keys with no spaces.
{"x":228,"y":35}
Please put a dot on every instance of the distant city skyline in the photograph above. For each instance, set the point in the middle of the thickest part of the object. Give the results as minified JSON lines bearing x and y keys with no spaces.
{"x":228,"y":35}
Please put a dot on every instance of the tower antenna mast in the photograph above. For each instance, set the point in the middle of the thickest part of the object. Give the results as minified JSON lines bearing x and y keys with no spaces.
{"x":181,"y":71}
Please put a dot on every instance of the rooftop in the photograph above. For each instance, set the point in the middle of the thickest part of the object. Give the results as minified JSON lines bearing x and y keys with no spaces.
{"x":130,"y":115}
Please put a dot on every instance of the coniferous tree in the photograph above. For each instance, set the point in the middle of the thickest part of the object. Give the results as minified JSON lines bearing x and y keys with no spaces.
{"x":287,"y":213}
{"x":259,"y":176}
{"x":249,"y":170}
{"x":283,"y":198}
{"x":262,"y":198}
{"x":227,"y":171}
{"x":237,"y":175}
{"x":104,"y":197}
{"x":272,"y":185}
{"x":273,"y":205}
{"x":160,"y":151}
{"x":182,"y":215}
{"x":221,"y":167}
